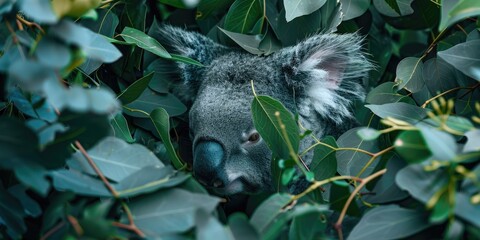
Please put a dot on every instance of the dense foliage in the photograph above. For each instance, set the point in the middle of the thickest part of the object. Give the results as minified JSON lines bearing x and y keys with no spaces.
{"x":90,"y":134}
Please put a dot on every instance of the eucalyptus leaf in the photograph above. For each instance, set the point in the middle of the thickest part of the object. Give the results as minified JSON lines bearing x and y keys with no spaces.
{"x":121,"y":129}
{"x":421,"y":184}
{"x":144,"y":41}
{"x":269,"y":125}
{"x":465,"y":57}
{"x":149,"y":100}
{"x":135,"y":89}
{"x":394,"y":8}
{"x":389,"y":222}
{"x":242,"y":16}
{"x":170,"y":211}
{"x":412,"y":146}
{"x":39,"y":10}
{"x":250,"y":43}
{"x":409,"y":74}
{"x":401,"y":111}
{"x":351,"y":163}
{"x":297,"y":8}
{"x":354,"y":8}
{"x":324,"y":162}
{"x":115,"y":158}
{"x":161,"y":121}
{"x":455,"y":12}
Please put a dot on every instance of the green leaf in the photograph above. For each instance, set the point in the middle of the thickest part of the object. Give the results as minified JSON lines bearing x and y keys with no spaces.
{"x":386,"y":190}
{"x":144,"y":41}
{"x":135,"y":89}
{"x":421,"y":184}
{"x":412,"y":147}
{"x":384,"y":93}
{"x":207,"y":7}
{"x":31,"y":207}
{"x":149,"y":101}
{"x":241,"y":228}
{"x":168,"y":212}
{"x":473,"y":141}
{"x":115,"y":158}
{"x":465,"y":57}
{"x":409,"y":74}
{"x":351,"y":163}
{"x":297,"y":8}
{"x":454,"y":11}
{"x":389,"y":222}
{"x":161,"y":121}
{"x":39,"y":10}
{"x":32,"y":105}
{"x":242,"y":16}
{"x":439,"y":76}
{"x":121,"y":129}
{"x":394,"y":8}
{"x":266,"y":213}
{"x":250,"y":43}
{"x":34,"y":176}
{"x":466,"y":210}
{"x":18,"y":144}
{"x":149,"y":179}
{"x":326,"y":20}
{"x":208,"y":227}
{"x":354,"y":8}
{"x":368,"y":134}
{"x":308,"y":226}
{"x":267,"y":124}
{"x":324,"y":161}
{"x":52,"y":53}
{"x":11,"y":214}
{"x":340,"y":191}
{"x":183,"y":59}
{"x":442,"y":145}
{"x":94,"y":45}
{"x":79,"y":183}
{"x":401,"y":111}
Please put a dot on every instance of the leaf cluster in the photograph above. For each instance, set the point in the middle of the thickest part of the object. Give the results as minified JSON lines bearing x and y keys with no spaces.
{"x":91,"y":136}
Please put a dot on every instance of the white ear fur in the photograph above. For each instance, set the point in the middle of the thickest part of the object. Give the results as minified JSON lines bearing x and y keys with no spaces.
{"x":335,"y":67}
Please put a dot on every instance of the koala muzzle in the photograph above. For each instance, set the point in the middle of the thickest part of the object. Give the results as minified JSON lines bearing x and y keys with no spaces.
{"x":208,"y":164}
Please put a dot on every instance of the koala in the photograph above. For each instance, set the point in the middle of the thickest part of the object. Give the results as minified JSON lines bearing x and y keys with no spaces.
{"x":319,"y":79}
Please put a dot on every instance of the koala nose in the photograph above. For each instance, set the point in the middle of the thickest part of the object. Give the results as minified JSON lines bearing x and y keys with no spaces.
{"x":208,"y":163}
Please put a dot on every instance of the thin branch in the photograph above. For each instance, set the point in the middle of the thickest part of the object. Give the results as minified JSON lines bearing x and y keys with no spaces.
{"x":52,"y":231}
{"x":96,"y":169}
{"x":76,"y":226}
{"x":338,"y":224}
{"x":317,"y":184}
{"x":131,"y":226}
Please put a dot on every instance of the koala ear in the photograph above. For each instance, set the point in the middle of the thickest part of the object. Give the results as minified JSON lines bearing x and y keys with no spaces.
{"x":188,"y":44}
{"x":327,"y":71}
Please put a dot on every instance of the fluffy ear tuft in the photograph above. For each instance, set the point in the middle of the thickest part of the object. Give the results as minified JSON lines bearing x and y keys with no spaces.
{"x":327,"y":70}
{"x":188,"y":44}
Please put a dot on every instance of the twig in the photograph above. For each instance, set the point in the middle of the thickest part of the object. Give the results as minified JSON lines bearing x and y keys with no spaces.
{"x":95,"y":168}
{"x":131,"y":226}
{"x":52,"y":231}
{"x":338,"y":224}
{"x":317,"y":184}
{"x":30,"y":24}
{"x":76,"y":226}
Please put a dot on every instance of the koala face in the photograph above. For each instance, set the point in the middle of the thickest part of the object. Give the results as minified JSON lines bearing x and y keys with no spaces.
{"x":229,"y":155}
{"x":318,"y":79}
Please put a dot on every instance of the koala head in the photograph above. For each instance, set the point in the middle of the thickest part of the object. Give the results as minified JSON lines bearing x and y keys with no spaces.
{"x":318,"y":78}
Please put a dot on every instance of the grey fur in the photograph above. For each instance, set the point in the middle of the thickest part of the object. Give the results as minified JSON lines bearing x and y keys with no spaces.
{"x":318,"y":78}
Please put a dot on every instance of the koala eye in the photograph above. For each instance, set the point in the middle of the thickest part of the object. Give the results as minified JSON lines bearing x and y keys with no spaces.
{"x":254,"y":137}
